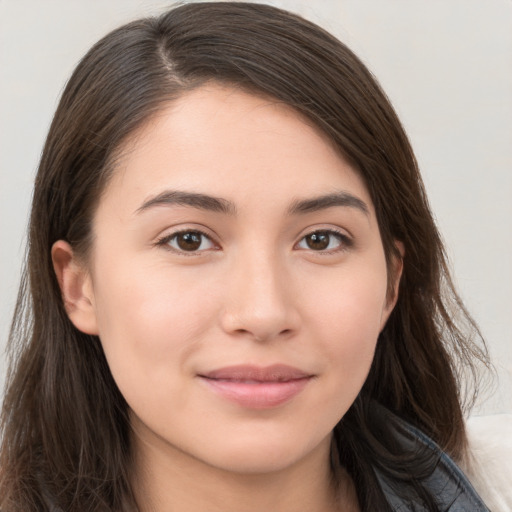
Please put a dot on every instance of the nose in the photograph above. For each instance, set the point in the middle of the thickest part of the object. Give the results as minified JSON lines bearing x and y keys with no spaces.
{"x":260,"y":301}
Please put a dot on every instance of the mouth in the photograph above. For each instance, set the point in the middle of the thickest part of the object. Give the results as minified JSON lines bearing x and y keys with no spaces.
{"x":257,"y":387}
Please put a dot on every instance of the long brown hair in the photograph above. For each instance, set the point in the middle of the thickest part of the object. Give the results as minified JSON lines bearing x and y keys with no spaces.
{"x":65,"y":429}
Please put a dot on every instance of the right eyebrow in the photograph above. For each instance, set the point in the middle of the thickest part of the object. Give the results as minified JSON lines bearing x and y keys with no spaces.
{"x":193,"y":199}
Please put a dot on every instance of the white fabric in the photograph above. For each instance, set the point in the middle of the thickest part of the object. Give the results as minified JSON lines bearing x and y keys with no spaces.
{"x":489,"y":462}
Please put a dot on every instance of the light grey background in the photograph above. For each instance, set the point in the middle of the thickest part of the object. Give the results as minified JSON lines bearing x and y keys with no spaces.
{"x":445,"y":64}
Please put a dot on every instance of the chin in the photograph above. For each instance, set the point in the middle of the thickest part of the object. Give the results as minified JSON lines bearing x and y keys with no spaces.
{"x":267,"y":456}
{"x":256,"y":463}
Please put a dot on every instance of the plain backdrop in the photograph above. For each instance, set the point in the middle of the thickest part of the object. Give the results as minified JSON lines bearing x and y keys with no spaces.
{"x":445,"y":64}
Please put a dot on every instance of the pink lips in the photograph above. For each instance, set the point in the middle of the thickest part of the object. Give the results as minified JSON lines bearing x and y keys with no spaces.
{"x":257,"y":388}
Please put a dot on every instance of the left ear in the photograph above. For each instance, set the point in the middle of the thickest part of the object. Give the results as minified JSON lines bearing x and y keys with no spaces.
{"x":395,"y":274}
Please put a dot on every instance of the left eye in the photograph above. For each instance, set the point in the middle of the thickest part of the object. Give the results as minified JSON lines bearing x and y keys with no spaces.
{"x":188,"y":241}
{"x":323,"y":241}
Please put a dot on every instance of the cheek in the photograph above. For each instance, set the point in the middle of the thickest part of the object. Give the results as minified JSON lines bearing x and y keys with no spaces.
{"x":349,"y":307}
{"x":149,"y":321}
{"x":346,"y":323}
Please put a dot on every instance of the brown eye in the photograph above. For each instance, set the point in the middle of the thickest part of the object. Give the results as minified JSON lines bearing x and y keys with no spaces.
{"x":318,"y":241}
{"x":188,"y":241}
{"x":324,"y":240}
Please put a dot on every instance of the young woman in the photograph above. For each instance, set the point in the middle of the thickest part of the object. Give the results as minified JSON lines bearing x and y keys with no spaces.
{"x":235,"y":297}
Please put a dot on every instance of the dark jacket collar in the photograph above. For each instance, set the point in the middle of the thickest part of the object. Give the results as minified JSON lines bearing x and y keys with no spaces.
{"x":447,"y":483}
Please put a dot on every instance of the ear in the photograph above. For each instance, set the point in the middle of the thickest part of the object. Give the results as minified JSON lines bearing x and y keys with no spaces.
{"x":76,"y":288}
{"x":396,"y":270}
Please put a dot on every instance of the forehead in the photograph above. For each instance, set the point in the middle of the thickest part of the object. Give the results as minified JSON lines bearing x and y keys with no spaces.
{"x":226,"y":142}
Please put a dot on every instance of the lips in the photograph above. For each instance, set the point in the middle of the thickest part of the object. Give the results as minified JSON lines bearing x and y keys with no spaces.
{"x":257,"y":387}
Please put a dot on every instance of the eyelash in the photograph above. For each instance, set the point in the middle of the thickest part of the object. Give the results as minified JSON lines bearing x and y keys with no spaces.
{"x":345,"y":241}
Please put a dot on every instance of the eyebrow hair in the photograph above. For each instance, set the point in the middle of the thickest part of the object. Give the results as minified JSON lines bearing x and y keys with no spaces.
{"x":194,"y":199}
{"x":220,"y":205}
{"x":327,"y":201}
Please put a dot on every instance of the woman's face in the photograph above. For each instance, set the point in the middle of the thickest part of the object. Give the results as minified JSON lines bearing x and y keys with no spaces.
{"x":237,"y":282}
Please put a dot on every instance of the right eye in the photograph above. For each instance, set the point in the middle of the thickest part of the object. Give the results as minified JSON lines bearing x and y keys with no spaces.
{"x":187,"y":241}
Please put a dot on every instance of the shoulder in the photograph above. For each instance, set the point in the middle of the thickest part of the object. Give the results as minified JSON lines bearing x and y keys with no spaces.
{"x":444,"y":479}
{"x":489,"y":461}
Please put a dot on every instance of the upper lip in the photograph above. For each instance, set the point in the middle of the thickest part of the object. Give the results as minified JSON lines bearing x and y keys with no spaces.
{"x":273,"y":373}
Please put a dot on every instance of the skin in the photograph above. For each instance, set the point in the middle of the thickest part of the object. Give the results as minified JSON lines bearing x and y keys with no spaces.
{"x":256,"y":291}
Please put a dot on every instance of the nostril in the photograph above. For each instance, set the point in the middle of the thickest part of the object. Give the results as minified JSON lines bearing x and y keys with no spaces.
{"x":260,"y":323}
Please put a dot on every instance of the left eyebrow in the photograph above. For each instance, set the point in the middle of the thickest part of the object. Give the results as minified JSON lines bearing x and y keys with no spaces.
{"x":315,"y":204}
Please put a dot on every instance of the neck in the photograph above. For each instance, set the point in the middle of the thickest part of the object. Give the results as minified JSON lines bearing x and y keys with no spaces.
{"x":169,"y":479}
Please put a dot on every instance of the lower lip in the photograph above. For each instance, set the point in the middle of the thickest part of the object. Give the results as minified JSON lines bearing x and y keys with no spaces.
{"x":257,"y":395}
